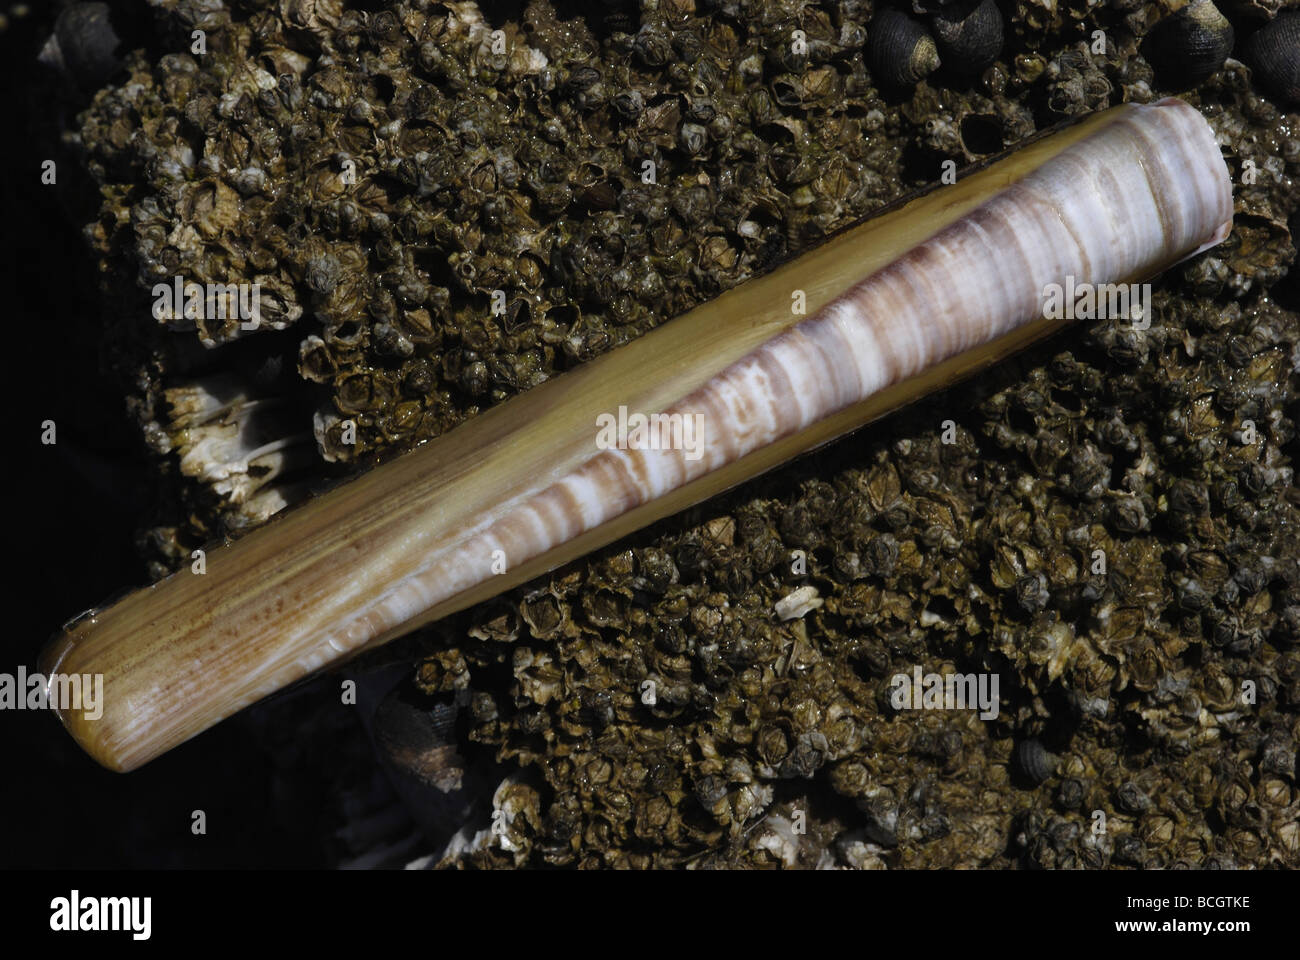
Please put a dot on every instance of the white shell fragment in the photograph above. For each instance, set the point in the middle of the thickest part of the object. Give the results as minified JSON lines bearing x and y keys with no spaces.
{"x":797,"y":603}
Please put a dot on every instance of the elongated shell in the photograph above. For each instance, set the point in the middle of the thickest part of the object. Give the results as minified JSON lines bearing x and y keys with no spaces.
{"x":895,"y":307}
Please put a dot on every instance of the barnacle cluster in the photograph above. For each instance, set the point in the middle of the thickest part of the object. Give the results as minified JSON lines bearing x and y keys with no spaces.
{"x":445,"y":211}
{"x":1110,"y":524}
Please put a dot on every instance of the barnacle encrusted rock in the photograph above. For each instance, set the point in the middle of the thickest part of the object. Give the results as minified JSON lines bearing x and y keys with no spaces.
{"x":1110,"y":525}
